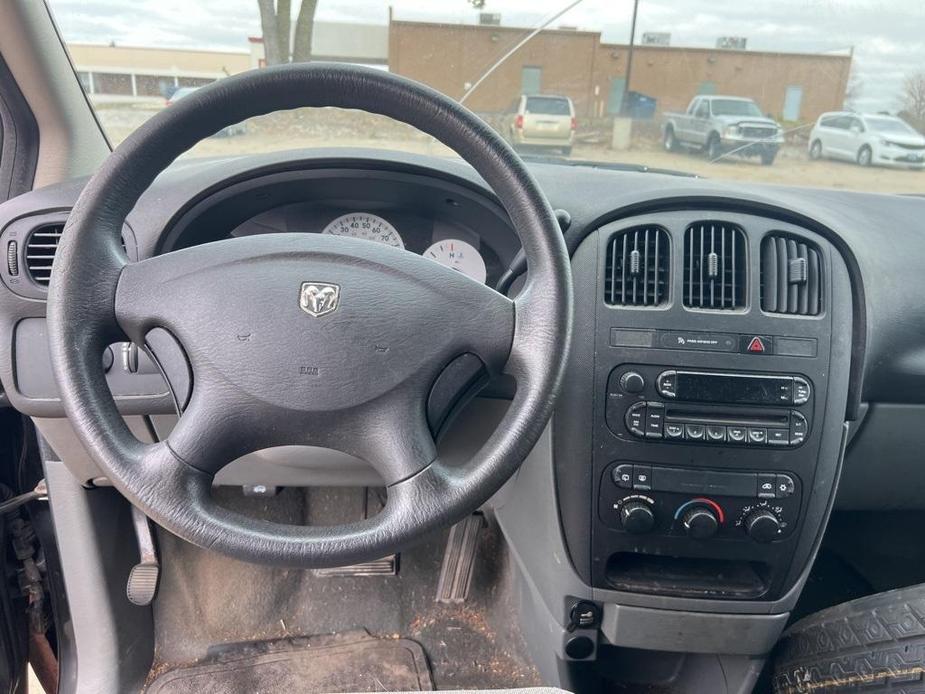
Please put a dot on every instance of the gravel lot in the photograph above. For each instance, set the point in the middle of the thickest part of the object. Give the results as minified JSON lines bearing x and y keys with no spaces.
{"x":327,"y":127}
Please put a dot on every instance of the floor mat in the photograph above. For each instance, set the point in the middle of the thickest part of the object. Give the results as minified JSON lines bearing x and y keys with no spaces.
{"x":351,"y":662}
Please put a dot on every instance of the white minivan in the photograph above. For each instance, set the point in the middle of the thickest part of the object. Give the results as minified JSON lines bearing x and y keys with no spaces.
{"x":867,"y":139}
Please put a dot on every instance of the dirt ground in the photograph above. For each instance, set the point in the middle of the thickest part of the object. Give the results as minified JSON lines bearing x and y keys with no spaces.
{"x":333,"y":127}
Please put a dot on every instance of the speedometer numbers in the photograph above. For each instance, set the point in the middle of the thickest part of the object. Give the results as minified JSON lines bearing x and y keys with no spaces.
{"x":460,"y":256}
{"x":363,"y":225}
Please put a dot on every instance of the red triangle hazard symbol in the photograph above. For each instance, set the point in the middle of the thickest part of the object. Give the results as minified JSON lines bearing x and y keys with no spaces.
{"x":756,"y":345}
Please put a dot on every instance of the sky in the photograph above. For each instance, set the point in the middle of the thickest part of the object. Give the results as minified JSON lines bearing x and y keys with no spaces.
{"x":887,"y":37}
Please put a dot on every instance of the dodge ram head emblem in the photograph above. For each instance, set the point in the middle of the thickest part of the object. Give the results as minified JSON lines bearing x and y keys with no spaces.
{"x":319,"y":298}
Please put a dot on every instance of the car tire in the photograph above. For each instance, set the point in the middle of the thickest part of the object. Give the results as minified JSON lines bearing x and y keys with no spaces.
{"x":767,"y":158}
{"x":875,"y":643}
{"x":865,"y":156}
{"x":815,"y":151}
{"x":713,"y":149}
{"x":567,"y":151}
{"x":670,"y":141}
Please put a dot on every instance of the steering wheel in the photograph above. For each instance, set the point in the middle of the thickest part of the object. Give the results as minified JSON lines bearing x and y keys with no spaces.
{"x":305,"y":339}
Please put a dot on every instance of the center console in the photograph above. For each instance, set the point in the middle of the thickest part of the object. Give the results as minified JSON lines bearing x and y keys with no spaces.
{"x":717,"y":381}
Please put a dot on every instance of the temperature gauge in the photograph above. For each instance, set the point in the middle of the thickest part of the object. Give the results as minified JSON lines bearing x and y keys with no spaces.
{"x":460,"y":256}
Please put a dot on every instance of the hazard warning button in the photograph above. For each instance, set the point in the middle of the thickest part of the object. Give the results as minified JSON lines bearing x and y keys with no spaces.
{"x":756,"y":344}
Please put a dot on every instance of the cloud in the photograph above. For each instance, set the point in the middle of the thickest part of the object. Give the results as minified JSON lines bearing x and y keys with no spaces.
{"x":885,"y":36}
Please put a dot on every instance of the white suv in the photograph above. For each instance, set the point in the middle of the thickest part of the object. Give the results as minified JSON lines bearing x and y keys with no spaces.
{"x":867,"y":139}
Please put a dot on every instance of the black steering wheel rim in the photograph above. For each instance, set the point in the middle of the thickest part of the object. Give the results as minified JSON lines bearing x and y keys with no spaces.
{"x":96,"y":298}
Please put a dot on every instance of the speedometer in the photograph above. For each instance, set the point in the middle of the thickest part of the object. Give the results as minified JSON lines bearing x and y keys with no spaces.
{"x":460,"y":256}
{"x":363,"y":225}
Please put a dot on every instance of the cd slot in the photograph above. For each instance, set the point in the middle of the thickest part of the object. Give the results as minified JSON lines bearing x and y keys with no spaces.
{"x":715,"y":416}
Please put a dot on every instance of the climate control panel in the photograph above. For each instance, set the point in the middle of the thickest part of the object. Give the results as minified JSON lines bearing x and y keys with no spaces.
{"x":702,"y":504}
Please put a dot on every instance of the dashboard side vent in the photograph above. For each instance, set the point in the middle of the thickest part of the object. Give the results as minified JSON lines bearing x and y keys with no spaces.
{"x":715,"y":266}
{"x":791,"y":276}
{"x":637,"y":267}
{"x":40,"y":251}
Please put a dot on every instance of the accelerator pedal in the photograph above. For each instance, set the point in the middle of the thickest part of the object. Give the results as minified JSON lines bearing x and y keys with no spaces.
{"x":459,"y":560}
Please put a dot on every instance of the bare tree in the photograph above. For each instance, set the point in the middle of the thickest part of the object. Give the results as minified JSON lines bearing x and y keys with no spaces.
{"x":276,"y":22}
{"x":913,"y":96}
{"x":853,"y":89}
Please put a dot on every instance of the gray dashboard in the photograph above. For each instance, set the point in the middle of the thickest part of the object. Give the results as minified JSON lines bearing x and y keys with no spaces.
{"x":195,"y":201}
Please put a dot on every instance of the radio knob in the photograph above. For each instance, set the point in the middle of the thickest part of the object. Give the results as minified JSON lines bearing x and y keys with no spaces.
{"x":637,"y":517}
{"x":700,"y":523}
{"x":632,"y":382}
{"x":762,"y":525}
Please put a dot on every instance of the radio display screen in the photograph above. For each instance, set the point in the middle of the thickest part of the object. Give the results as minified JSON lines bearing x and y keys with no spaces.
{"x":728,"y":388}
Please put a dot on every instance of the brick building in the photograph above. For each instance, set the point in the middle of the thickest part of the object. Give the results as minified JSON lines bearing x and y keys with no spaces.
{"x":450,"y":57}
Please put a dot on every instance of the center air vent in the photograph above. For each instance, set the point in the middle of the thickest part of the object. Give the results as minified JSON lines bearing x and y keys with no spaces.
{"x":715,"y":266}
{"x":791,"y":276}
{"x":40,"y":252}
{"x":637,"y":266}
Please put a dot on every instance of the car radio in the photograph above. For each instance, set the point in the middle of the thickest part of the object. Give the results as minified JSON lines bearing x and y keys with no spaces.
{"x":656,"y":403}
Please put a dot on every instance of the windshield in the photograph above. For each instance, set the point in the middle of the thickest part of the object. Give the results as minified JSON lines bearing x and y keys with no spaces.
{"x":890,"y":126}
{"x":623,"y":71}
{"x":732,"y":107}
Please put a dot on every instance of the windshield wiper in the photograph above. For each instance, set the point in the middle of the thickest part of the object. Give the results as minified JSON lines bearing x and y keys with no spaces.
{"x":609,"y":165}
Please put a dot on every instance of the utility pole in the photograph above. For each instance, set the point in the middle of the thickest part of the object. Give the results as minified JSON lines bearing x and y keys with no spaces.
{"x":629,"y":59}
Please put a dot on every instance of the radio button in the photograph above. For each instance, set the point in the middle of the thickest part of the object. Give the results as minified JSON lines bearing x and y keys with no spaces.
{"x":757,"y":435}
{"x":801,"y":391}
{"x":779,"y":437}
{"x":667,"y":384}
{"x":767,"y":485}
{"x":798,"y":428}
{"x":636,"y":419}
{"x":785,"y":486}
{"x":716,"y":432}
{"x":623,"y":476}
{"x":674,"y":430}
{"x":655,"y":418}
{"x":693,"y":432}
{"x":736,"y":434}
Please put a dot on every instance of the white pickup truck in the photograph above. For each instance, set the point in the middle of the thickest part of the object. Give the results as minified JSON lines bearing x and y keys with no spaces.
{"x":720,"y":125}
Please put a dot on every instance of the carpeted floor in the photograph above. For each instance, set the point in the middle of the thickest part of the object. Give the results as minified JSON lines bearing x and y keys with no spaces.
{"x":206,"y":600}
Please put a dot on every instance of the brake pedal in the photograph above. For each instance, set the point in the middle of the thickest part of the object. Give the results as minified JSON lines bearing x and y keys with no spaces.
{"x":459,"y":560}
{"x":387,"y":566}
{"x":145,"y":575}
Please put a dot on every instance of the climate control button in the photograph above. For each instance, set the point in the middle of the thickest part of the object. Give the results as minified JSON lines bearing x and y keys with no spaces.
{"x":700,"y":522}
{"x":637,"y":516}
{"x":762,"y":525}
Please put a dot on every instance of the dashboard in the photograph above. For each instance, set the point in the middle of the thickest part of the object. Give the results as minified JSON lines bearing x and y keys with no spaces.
{"x":739,"y":367}
{"x":732,"y":342}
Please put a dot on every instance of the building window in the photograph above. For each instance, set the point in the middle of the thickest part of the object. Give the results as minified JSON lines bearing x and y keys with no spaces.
{"x":112,"y":83}
{"x":793,"y":99}
{"x":194,"y":81}
{"x":85,"y":81}
{"x":154,"y":85}
{"x":707,"y":87}
{"x":531,"y":79}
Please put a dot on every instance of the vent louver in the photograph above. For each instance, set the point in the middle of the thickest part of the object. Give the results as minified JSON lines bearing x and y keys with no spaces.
{"x":40,"y":252}
{"x":791,"y":276}
{"x":637,"y":267}
{"x":715,"y":266}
